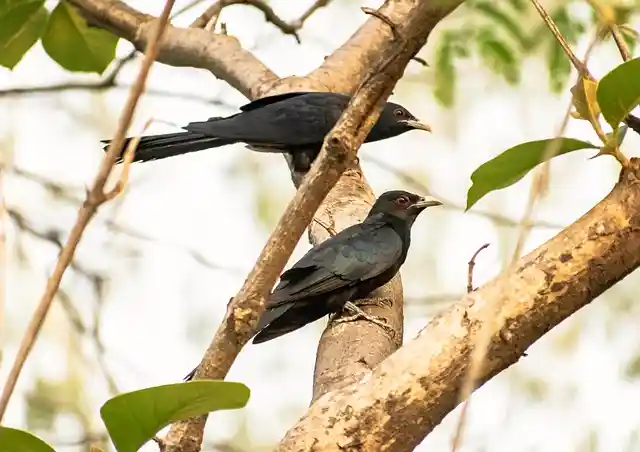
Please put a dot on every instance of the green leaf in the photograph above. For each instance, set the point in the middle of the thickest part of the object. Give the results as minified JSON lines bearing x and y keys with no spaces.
{"x":21,"y":25}
{"x":14,"y":14}
{"x":13,"y":440}
{"x":559,"y":67}
{"x":74,"y":45}
{"x":498,"y":56}
{"x":619,"y":92}
{"x":135,"y":417}
{"x":513,"y":164}
{"x":519,"y":5}
{"x":504,"y":20}
{"x":445,"y":72}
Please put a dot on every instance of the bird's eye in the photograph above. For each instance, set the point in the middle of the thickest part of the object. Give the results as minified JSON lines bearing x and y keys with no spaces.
{"x":402,"y":201}
{"x":398,"y":112}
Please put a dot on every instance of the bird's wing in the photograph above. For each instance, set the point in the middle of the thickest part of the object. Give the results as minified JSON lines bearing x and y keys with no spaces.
{"x":297,"y":121}
{"x":270,"y":100}
{"x":356,"y":254}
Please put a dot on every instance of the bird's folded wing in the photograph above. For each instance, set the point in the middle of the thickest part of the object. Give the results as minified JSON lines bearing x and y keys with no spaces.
{"x":358,"y":255}
{"x":270,"y":100}
{"x":299,"y":121}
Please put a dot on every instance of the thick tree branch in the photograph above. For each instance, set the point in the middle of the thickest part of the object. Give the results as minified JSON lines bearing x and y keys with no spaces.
{"x":349,"y":350}
{"x":346,"y":350}
{"x":221,"y":54}
{"x":244,"y":310}
{"x":396,"y":405}
{"x":414,"y":21}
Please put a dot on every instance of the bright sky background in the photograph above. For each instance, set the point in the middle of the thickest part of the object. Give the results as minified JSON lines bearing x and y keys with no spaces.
{"x":161,"y":306}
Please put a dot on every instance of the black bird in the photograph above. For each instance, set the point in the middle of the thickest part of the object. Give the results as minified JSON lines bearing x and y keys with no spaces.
{"x":347,"y":266}
{"x":295,"y":123}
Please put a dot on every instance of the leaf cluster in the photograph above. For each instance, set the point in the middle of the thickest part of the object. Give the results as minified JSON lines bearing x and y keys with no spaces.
{"x":63,"y":33}
{"x":503,"y":34}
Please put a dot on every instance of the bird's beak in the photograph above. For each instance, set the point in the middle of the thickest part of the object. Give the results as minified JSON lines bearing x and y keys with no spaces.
{"x":415,"y":124}
{"x":426,"y":202}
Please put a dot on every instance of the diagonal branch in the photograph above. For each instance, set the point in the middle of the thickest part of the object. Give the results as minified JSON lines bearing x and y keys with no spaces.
{"x":221,"y":54}
{"x":362,"y":49}
{"x":421,"y":381}
{"x":96,"y":196}
{"x":270,"y":15}
{"x":338,"y":154}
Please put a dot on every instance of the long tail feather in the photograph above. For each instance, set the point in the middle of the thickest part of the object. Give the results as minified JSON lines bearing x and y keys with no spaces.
{"x":278,"y":321}
{"x":156,"y":147}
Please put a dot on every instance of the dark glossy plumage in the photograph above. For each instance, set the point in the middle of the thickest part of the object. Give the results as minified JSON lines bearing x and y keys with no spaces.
{"x":295,"y":123}
{"x":347,"y":266}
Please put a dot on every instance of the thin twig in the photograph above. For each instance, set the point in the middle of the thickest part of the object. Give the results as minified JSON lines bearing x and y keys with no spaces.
{"x":244,"y":310}
{"x":457,"y":436}
{"x":95,"y":197}
{"x":585,"y":85}
{"x":541,"y":181}
{"x":383,"y":18}
{"x":491,"y":319}
{"x":213,"y":12}
{"x":577,"y":64}
{"x":3,"y":260}
{"x":472,"y":264}
{"x":312,"y":9}
{"x":109,"y":80}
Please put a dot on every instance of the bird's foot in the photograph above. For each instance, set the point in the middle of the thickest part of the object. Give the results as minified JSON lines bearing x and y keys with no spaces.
{"x":357,"y":314}
{"x":381,"y":302}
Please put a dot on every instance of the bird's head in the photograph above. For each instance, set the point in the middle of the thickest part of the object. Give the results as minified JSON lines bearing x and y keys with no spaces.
{"x":395,"y":120}
{"x":402,"y":204}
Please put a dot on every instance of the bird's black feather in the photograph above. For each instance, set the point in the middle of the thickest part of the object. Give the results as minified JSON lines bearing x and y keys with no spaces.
{"x":347,"y":266}
{"x":294,"y":123}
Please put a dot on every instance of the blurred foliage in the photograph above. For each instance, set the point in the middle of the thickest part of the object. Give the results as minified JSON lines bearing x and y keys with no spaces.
{"x":48,"y":399}
{"x":632,"y":370}
{"x":615,"y":96}
{"x":268,"y":200}
{"x":503,"y":34}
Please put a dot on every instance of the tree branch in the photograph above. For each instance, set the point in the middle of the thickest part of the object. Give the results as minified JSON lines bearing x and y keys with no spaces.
{"x":342,"y":354}
{"x":365,"y":46}
{"x":192,"y":47}
{"x":421,"y":381}
{"x":96,"y":196}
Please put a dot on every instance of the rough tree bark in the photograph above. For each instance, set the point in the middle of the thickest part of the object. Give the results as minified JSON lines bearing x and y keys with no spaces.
{"x":397,"y":404}
{"x":363,"y":401}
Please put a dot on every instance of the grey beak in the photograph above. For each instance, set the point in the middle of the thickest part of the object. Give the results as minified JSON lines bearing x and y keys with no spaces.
{"x":415,"y":124}
{"x":427,"y":202}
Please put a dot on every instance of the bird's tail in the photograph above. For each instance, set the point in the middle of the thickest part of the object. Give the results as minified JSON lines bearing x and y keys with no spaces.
{"x":155,"y":147}
{"x":283,"y":319}
{"x":280,"y":320}
{"x":273,"y":323}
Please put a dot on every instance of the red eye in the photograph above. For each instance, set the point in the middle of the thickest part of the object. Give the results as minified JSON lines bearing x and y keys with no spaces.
{"x":402,"y":201}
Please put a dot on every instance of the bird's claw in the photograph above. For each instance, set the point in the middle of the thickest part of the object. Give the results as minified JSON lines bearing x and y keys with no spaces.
{"x":381,"y":302}
{"x":357,"y":314}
